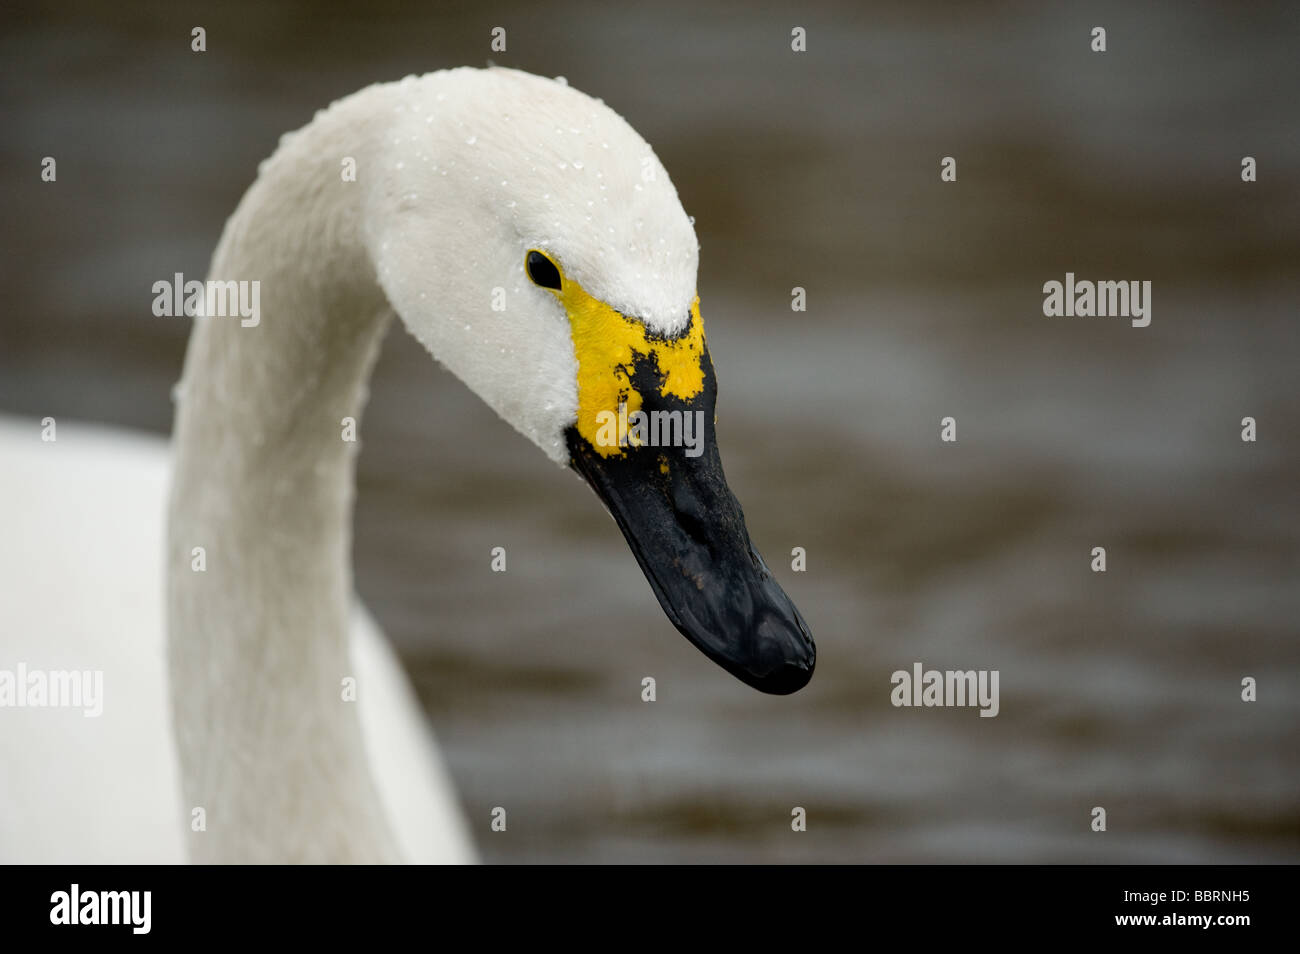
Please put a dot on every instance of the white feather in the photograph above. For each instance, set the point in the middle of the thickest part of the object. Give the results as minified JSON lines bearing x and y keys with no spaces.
{"x":238,"y":710}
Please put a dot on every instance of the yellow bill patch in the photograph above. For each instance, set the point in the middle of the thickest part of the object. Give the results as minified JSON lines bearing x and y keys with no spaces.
{"x":608,"y":346}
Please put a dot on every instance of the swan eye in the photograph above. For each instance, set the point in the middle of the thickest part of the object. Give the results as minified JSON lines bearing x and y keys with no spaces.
{"x":542,"y":270}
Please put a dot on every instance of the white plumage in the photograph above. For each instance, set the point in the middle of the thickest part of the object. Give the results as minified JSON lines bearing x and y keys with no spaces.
{"x":238,"y":710}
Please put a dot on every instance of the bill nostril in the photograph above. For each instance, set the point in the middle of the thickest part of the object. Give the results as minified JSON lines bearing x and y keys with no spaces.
{"x":692,"y":516}
{"x":694,"y":527}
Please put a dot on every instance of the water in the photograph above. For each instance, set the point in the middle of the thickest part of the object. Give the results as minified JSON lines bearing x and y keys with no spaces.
{"x":924,"y":300}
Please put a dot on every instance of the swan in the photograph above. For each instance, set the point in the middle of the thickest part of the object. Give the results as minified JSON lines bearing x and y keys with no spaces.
{"x":531,"y":240}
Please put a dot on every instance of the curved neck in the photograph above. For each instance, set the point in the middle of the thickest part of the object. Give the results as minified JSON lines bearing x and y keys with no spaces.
{"x":269,"y":747}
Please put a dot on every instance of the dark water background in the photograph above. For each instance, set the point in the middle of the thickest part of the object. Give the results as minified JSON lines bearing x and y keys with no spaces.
{"x":820,"y":170}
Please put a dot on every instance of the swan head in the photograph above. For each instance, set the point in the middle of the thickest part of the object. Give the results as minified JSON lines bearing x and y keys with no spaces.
{"x":531,"y":239}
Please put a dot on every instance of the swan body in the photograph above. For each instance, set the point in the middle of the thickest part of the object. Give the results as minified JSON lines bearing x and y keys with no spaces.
{"x":532,"y":241}
{"x":105,"y":789}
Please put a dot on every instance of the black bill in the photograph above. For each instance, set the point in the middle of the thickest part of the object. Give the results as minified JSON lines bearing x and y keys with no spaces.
{"x":688,"y":533}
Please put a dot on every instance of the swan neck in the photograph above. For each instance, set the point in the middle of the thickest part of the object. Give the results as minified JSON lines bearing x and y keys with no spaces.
{"x":259,"y":572}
